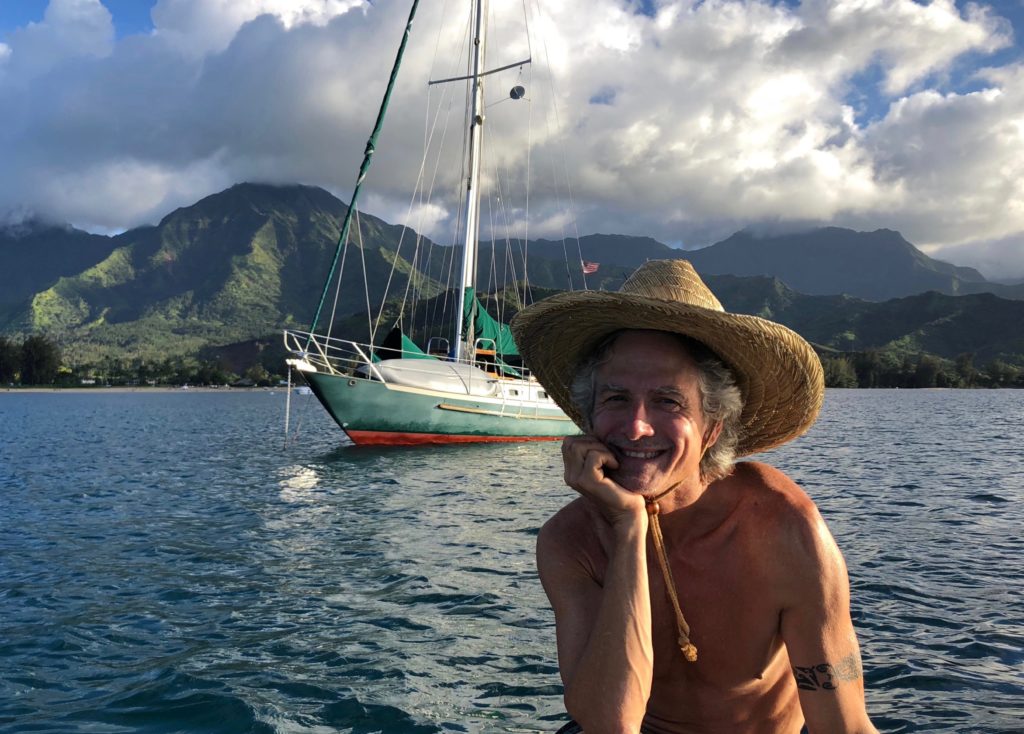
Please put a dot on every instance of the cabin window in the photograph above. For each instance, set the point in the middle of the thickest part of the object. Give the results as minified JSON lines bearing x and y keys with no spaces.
{"x":513,"y":392}
{"x":542,"y":394}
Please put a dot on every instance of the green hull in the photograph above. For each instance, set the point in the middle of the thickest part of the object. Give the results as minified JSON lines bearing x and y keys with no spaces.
{"x":371,"y":412}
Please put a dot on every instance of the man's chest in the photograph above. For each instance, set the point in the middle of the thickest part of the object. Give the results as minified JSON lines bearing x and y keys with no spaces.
{"x":728,"y":602}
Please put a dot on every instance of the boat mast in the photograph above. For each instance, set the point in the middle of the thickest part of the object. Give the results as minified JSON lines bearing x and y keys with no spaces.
{"x":371,"y":146}
{"x":464,"y":330}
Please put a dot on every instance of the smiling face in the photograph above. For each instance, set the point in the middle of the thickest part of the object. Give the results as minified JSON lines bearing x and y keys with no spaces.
{"x":647,"y":410}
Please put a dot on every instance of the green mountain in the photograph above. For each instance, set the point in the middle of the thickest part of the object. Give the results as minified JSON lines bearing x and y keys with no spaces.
{"x":226,"y":274}
{"x":35,"y":255}
{"x":874,"y":266}
{"x":981,"y":324}
{"x":234,"y":266}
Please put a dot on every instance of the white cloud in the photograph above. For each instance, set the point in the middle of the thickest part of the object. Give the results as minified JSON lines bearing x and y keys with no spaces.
{"x":429,"y":219}
{"x":93,"y":197}
{"x":707,"y":117}
{"x":1000,"y":258}
{"x":200,"y":27}
{"x":959,"y":162}
{"x":909,"y":40}
{"x":69,"y":30}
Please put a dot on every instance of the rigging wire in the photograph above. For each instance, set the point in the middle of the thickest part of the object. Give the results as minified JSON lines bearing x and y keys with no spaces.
{"x":425,"y":195}
{"x":503,"y":197}
{"x":337,"y":290}
{"x":450,"y":251}
{"x":527,"y":291}
{"x":420,"y":284}
{"x":448,"y":97}
{"x":365,"y":167}
{"x":558,"y":129}
{"x":366,"y":283}
{"x":414,"y":285}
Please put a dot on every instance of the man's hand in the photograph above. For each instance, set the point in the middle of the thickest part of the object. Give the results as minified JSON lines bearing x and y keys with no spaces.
{"x":587,"y":462}
{"x":603,"y":625}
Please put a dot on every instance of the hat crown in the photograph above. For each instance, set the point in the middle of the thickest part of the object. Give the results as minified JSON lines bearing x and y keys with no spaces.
{"x":673,"y":281}
{"x":775,"y":368}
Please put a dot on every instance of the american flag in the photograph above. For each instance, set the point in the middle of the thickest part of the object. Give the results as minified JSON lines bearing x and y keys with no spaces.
{"x":589,"y":268}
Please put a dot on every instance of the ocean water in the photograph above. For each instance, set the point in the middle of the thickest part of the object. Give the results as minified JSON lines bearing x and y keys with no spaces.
{"x":169,"y":563}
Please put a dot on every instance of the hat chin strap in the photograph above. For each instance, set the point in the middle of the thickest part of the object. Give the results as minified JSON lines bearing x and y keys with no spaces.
{"x":688,"y":649}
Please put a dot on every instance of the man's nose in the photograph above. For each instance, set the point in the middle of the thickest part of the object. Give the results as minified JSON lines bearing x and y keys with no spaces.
{"x":639,"y":423}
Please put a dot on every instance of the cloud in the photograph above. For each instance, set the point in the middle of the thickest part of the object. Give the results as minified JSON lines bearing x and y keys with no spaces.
{"x":956,"y":162}
{"x":1002,"y":259}
{"x":201,"y":27}
{"x":93,"y":196}
{"x":684,"y":124}
{"x":910,"y":41}
{"x":69,"y":30}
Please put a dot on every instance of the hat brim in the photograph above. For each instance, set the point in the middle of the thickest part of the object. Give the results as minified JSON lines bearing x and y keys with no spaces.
{"x":776,"y":370}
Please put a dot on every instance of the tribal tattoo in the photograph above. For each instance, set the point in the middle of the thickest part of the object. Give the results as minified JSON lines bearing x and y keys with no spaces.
{"x":826,"y":676}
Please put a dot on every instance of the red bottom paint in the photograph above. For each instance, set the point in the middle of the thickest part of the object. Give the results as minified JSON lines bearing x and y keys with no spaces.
{"x":388,"y":438}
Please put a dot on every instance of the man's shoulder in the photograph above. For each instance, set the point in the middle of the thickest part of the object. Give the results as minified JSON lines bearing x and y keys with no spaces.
{"x":762,"y":475}
{"x":575,"y":518}
{"x":576,"y":530}
{"x":796,"y":531}
{"x":765,"y":485}
{"x":772,"y":501}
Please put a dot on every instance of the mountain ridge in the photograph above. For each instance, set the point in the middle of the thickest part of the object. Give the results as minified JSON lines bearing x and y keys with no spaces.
{"x":245,"y":262}
{"x":857,"y":255}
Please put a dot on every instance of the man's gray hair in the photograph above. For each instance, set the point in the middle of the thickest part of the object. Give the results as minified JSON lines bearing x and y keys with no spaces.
{"x":721,"y":399}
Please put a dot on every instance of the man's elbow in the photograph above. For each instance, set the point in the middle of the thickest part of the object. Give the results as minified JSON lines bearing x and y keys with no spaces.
{"x":594,"y":720}
{"x":860,"y":724}
{"x":867,"y":728}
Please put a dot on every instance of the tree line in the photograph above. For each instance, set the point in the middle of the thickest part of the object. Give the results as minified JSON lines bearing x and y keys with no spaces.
{"x":885,"y":369}
{"x":37,"y":361}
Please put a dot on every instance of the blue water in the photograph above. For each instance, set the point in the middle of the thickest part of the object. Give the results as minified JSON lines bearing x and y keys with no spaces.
{"x":169,"y":564}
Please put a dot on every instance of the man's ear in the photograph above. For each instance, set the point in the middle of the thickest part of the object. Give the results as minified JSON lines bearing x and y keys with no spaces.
{"x":712,"y":434}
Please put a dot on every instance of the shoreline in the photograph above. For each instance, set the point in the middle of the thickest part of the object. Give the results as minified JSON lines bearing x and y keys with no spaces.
{"x":284,"y":388}
{"x":126,"y":389}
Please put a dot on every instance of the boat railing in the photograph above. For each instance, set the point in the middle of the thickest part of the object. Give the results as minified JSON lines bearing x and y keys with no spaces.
{"x":316,"y":352}
{"x":343,"y":357}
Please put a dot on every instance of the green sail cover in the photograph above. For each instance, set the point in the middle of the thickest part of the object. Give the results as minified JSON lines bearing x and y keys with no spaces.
{"x":397,"y":345}
{"x":486,"y":326}
{"x":411,"y":351}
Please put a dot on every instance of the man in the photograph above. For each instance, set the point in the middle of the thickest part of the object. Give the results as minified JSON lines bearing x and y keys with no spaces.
{"x":691,"y":594}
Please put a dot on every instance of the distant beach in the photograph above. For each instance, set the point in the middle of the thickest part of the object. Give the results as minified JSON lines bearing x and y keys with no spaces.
{"x":137,"y":389}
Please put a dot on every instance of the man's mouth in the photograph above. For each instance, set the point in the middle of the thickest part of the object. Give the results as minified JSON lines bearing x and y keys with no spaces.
{"x":638,"y":454}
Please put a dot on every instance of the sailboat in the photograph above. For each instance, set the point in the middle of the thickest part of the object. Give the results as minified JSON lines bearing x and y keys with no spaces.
{"x":464,"y":387}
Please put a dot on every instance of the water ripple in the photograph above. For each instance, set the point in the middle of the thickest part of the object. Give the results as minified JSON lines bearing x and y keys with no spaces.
{"x":167,"y":564}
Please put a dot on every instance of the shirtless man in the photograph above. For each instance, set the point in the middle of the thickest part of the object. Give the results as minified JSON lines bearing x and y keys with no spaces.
{"x":668,"y":389}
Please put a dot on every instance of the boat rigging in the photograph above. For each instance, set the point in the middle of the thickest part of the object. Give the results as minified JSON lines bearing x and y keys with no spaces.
{"x":393,"y":392}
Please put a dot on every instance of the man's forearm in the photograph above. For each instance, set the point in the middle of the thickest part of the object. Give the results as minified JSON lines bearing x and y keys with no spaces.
{"x":612,"y":680}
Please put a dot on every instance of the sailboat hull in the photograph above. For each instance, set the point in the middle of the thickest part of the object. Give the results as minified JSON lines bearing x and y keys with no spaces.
{"x":375,"y":413}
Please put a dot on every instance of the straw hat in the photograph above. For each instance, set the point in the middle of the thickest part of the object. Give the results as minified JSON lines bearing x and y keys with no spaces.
{"x":778,"y":373}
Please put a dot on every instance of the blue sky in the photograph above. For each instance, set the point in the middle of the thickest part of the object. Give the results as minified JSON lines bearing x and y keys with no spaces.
{"x":684,"y":120}
{"x":133,"y":16}
{"x":129,"y":16}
